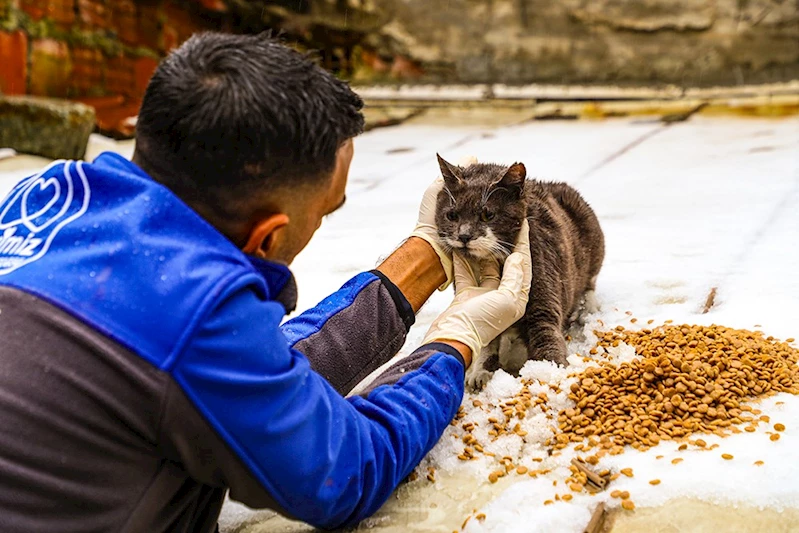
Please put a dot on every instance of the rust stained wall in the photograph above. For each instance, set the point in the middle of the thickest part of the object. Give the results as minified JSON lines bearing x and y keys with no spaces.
{"x":93,"y":48}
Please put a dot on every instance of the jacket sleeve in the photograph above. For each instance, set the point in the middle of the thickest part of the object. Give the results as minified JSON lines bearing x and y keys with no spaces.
{"x":354,"y":331}
{"x":323,"y":459}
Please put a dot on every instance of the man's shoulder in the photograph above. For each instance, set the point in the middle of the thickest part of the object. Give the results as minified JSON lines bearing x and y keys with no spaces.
{"x":108,"y":244}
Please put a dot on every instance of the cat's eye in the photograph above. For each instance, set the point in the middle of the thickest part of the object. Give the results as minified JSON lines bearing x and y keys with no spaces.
{"x":487,"y":216}
{"x":452,"y":215}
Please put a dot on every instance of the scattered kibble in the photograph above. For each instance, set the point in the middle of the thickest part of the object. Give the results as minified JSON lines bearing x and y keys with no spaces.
{"x":628,"y":505}
{"x":566,"y":497}
{"x":700,"y":443}
{"x":775,"y":437}
{"x":682,"y":447}
{"x":676,"y":461}
{"x":493,"y":477}
{"x":627,"y":472}
{"x":654,"y":482}
{"x":779,"y":427}
{"x":726,"y":456}
{"x":480,"y":517}
{"x":615,"y":494}
{"x":548,"y":502}
{"x":521,"y":470}
{"x":759,"y":463}
{"x":625,"y":495}
{"x":689,"y":379}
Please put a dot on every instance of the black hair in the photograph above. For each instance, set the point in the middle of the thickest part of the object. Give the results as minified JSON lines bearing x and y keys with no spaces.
{"x":226,"y":117}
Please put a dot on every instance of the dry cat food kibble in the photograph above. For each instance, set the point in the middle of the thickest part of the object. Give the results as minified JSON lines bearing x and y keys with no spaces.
{"x":689,"y":379}
{"x":628,"y":505}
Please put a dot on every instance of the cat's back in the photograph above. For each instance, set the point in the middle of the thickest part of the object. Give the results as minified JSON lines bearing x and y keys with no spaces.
{"x":575,"y":218}
{"x":569,"y":199}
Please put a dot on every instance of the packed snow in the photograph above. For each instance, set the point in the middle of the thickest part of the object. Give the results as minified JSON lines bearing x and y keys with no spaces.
{"x":684,"y":207}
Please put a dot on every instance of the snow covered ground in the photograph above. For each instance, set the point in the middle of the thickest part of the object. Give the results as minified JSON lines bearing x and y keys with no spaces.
{"x":685,"y":207}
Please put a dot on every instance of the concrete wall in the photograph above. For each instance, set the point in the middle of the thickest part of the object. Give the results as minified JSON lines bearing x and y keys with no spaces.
{"x":686,"y":42}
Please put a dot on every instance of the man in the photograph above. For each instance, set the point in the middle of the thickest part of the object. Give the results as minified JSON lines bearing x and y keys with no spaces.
{"x":143,"y":368}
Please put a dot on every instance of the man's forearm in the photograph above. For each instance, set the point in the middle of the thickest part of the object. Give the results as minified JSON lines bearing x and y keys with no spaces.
{"x":415,"y":269}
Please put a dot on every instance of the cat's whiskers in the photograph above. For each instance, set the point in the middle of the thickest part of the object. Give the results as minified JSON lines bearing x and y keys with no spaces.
{"x":506,"y":243}
{"x":451,"y":197}
{"x":488,"y":192}
{"x":499,"y":251}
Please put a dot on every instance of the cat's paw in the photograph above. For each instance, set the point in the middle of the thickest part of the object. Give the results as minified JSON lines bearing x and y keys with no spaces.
{"x":591,"y":303}
{"x":477,"y":377}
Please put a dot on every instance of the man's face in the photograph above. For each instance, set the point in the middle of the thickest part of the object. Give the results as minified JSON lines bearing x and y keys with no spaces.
{"x":308,"y":208}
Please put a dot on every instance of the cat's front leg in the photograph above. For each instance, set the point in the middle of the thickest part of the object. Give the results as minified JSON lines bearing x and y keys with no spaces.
{"x":512,"y":350}
{"x":547,"y":344}
{"x":478,"y":374}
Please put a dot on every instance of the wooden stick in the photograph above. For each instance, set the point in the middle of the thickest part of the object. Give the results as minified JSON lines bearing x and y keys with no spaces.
{"x":592,"y":476}
{"x":597,"y":520}
{"x":710,"y":302}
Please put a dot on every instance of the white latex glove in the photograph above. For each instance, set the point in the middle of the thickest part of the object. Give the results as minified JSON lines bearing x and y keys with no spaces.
{"x":483,"y":309}
{"x":426,"y":225}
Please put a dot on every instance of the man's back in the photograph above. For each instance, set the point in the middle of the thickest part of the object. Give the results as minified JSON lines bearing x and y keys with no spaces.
{"x":81,"y":452}
{"x":94,"y":265}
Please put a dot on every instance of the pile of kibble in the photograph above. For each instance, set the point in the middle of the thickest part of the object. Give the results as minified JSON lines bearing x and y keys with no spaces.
{"x":689,"y":379}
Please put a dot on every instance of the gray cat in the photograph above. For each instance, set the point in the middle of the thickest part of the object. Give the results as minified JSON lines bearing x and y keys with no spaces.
{"x":479,"y":214}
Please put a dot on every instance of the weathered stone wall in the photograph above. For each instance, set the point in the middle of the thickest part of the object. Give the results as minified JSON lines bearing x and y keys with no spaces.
{"x":109,"y":48}
{"x":686,"y":42}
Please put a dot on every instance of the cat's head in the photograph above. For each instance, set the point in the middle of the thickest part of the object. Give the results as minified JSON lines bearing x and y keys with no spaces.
{"x":481,"y":208}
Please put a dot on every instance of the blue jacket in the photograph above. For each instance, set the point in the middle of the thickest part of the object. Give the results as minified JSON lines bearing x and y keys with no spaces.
{"x":152,"y":315}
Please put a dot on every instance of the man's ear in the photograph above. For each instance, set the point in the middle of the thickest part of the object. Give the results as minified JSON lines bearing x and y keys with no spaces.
{"x":265,"y":235}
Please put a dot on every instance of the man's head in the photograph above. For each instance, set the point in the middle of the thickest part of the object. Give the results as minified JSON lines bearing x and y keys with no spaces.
{"x":252,"y":135}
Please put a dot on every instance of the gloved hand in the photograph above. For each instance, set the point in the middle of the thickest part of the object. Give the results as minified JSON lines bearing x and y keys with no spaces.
{"x":483,"y":309}
{"x":426,"y":225}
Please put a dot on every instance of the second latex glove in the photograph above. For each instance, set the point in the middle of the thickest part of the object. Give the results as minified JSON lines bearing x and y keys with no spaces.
{"x":483,"y":309}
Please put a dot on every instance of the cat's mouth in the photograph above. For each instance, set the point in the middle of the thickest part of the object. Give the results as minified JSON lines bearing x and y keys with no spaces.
{"x":480,"y":248}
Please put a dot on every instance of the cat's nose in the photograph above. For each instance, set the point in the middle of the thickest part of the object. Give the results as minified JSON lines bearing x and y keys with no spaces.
{"x":464,"y":238}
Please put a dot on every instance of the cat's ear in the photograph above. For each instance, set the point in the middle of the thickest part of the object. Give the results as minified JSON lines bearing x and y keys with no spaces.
{"x":514,"y":177}
{"x":451,"y":174}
